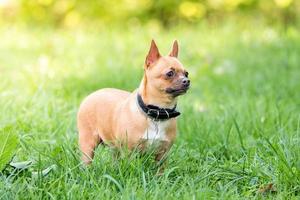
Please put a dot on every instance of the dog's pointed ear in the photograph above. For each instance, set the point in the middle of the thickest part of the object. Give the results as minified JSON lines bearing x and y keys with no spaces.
{"x":153,"y":54}
{"x":174,"y":52}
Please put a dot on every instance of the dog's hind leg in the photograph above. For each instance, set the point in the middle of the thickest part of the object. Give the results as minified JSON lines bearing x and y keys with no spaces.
{"x":88,"y":141}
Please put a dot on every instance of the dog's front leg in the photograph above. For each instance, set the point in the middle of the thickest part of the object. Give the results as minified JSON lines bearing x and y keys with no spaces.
{"x":161,"y":155}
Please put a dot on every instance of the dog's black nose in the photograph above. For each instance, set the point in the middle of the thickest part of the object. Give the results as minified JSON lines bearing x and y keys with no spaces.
{"x":186,"y":82}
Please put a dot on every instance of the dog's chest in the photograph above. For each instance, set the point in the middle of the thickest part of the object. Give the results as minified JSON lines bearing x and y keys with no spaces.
{"x":156,"y":130}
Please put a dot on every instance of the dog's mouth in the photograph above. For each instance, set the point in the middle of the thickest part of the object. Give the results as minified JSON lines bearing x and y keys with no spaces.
{"x":177,"y":91}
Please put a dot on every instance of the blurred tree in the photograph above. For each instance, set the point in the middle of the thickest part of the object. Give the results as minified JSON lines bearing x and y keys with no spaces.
{"x":167,"y":12}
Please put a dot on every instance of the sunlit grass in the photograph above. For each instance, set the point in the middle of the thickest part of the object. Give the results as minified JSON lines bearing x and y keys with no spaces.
{"x":239,"y":128}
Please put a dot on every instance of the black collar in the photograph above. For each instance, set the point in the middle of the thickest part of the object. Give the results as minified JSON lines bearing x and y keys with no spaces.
{"x":156,"y":112}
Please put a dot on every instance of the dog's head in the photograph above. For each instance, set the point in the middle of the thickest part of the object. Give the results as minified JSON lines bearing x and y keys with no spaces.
{"x":166,"y":74}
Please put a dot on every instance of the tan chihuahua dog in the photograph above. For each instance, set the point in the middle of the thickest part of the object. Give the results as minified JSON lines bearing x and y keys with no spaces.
{"x":145,"y":116}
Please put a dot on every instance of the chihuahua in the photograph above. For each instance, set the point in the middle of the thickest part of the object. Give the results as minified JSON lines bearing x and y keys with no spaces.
{"x":145,"y":116}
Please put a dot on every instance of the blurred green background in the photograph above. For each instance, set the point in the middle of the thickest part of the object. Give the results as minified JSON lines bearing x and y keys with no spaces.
{"x":74,"y":13}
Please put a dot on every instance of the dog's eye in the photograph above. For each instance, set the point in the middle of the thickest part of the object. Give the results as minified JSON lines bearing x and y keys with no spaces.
{"x":170,"y":74}
{"x":186,"y":74}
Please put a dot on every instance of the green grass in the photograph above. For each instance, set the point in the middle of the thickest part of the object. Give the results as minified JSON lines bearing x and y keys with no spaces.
{"x":240,"y":123}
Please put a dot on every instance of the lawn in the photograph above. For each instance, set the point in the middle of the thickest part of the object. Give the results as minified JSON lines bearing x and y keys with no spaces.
{"x":239,"y":131}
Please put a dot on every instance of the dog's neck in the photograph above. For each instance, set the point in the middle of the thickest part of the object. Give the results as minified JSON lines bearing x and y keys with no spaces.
{"x":151,"y":96}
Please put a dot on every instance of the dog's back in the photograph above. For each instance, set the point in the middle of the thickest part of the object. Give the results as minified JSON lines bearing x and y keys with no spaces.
{"x":102,"y":102}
